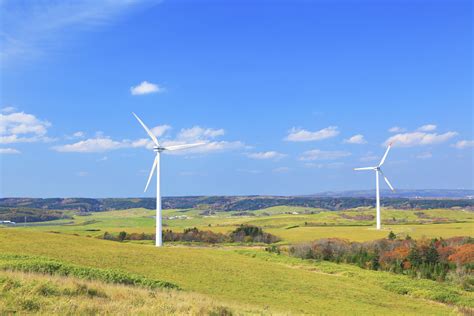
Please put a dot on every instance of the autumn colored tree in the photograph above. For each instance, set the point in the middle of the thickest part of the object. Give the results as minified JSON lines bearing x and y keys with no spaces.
{"x":464,"y":255}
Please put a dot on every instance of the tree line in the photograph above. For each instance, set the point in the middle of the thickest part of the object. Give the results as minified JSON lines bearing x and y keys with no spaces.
{"x":242,"y":234}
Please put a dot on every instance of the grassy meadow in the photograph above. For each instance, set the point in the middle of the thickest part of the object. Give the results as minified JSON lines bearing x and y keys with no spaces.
{"x":226,"y":279}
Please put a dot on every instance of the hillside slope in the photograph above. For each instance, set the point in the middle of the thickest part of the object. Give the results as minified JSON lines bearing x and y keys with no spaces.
{"x":226,"y":275}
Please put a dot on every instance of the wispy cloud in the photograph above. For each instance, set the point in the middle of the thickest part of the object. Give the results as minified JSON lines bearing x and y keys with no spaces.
{"x":317,"y":154}
{"x":266,"y":155}
{"x":8,"y":109}
{"x":9,"y":151}
{"x":425,"y":155}
{"x":356,"y":139}
{"x":302,"y":135}
{"x":462,"y":144}
{"x":250,"y":171}
{"x":35,"y":28}
{"x":281,"y":170}
{"x":369,"y":157}
{"x":146,"y":87}
{"x":331,"y":165}
{"x":79,"y":134}
{"x":396,"y":129}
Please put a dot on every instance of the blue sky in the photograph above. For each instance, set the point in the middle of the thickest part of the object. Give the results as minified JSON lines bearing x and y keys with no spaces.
{"x":288,"y":95}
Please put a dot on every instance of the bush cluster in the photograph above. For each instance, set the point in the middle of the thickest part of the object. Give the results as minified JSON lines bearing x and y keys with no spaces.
{"x":436,"y":259}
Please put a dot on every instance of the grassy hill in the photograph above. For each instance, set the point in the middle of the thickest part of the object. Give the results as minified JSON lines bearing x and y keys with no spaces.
{"x":248,"y":278}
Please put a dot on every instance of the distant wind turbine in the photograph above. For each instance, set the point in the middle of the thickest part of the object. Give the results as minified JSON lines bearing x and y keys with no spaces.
{"x":158,"y":149}
{"x":378,"y":171}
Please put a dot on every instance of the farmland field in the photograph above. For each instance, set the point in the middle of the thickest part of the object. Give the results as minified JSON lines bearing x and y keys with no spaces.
{"x":292,"y":224}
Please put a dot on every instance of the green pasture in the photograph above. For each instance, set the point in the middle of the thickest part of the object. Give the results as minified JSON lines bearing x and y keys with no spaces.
{"x":276,"y":284}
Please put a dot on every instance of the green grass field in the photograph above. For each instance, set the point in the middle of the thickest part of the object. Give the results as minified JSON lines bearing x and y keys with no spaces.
{"x":275,"y":284}
{"x":238,"y":279}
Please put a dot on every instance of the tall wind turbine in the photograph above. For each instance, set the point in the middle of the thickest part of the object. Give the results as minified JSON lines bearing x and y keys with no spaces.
{"x":378,"y":171}
{"x":158,"y":149}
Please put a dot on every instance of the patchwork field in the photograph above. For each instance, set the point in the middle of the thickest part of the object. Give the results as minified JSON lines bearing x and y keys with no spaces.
{"x":292,"y":224}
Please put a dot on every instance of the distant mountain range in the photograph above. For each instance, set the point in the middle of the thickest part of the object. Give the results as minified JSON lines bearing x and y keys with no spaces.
{"x":409,"y":194}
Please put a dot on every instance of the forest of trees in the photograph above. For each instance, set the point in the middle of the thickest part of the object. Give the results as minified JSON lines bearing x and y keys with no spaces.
{"x":243,"y":233}
{"x":436,"y":259}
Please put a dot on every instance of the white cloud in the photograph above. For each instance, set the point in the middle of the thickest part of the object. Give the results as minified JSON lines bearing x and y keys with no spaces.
{"x":427,"y":128}
{"x":8,"y":109}
{"x":8,"y":151}
{"x":160,"y":130}
{"x":146,"y":87}
{"x":82,"y":174}
{"x":79,"y":134}
{"x":331,"y":165}
{"x":21,"y":127}
{"x":281,"y":170}
{"x":92,"y":145}
{"x":396,"y":129}
{"x":464,"y":144}
{"x":418,"y":139}
{"x":101,"y":143}
{"x":301,"y":135}
{"x":356,"y":139}
{"x":317,"y":154}
{"x":369,"y":157}
{"x":425,"y":155}
{"x":251,"y":171}
{"x":266,"y":155}
{"x":197,"y":133}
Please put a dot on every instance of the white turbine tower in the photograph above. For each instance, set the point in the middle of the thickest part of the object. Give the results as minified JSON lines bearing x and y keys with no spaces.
{"x":378,"y":171}
{"x":158,"y":149}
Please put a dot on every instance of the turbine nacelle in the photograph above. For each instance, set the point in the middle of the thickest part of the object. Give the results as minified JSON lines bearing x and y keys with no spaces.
{"x":158,"y":149}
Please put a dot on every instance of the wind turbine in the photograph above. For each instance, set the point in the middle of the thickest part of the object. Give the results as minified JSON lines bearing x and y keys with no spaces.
{"x":158,"y":149}
{"x":378,"y":171}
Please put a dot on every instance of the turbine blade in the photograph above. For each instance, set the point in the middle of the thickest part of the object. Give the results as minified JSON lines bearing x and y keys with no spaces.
{"x":366,"y":168}
{"x":386,"y":180}
{"x":184,"y":146}
{"x":385,"y":155}
{"x":151,"y":173}
{"x":153,"y":138}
